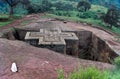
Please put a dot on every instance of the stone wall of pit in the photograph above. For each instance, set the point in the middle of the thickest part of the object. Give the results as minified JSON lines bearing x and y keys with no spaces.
{"x":100,"y":50}
{"x":85,"y":42}
{"x":58,"y":48}
{"x":93,"y":48}
{"x":72,"y":47}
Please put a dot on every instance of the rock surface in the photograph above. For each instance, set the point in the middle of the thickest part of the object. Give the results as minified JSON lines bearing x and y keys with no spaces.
{"x":37,"y":63}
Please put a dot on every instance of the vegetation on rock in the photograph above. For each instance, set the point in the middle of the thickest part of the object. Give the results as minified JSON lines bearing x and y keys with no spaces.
{"x":88,"y":73}
{"x":112,"y":17}
{"x":83,"y":6}
{"x":93,"y":73}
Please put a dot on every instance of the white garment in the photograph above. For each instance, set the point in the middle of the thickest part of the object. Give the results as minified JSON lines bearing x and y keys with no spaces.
{"x":14,"y":67}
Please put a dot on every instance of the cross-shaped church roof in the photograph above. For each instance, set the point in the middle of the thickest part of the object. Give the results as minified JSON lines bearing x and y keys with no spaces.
{"x":51,"y":36}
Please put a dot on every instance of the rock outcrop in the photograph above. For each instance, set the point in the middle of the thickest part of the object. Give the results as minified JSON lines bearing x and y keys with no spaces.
{"x":37,"y":63}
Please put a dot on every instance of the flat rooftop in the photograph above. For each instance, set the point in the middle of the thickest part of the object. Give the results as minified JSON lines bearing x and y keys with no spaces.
{"x":52,"y":36}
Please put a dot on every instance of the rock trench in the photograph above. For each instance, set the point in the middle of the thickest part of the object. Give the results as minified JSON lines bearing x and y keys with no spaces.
{"x":89,"y":46}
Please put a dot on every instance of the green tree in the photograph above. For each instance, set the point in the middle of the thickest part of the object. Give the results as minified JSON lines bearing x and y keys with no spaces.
{"x":83,"y":6}
{"x":66,"y":6}
{"x":12,"y":4}
{"x":37,"y":6}
{"x":112,"y":17}
{"x":46,"y":5}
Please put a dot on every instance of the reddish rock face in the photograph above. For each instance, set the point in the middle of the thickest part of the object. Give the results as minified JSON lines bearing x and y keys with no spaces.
{"x":36,"y":63}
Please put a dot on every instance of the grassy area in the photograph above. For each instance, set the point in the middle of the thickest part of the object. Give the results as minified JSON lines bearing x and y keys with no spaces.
{"x":115,"y":73}
{"x":7,"y":19}
{"x":93,"y":73}
{"x":4,"y":16}
{"x":88,"y":73}
{"x":74,"y":19}
{"x":5,"y":23}
{"x":97,"y":8}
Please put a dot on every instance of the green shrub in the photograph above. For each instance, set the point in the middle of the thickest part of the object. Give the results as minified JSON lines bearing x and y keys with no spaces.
{"x":59,"y":13}
{"x":64,"y":5}
{"x":63,"y":13}
{"x":88,"y":14}
{"x":117,"y":62}
{"x":88,"y":73}
{"x":60,"y":74}
{"x":39,"y":6}
{"x":19,"y":9}
{"x":115,"y":74}
{"x":3,"y":9}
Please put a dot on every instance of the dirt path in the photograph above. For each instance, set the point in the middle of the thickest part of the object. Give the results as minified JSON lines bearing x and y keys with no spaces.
{"x":17,"y":22}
